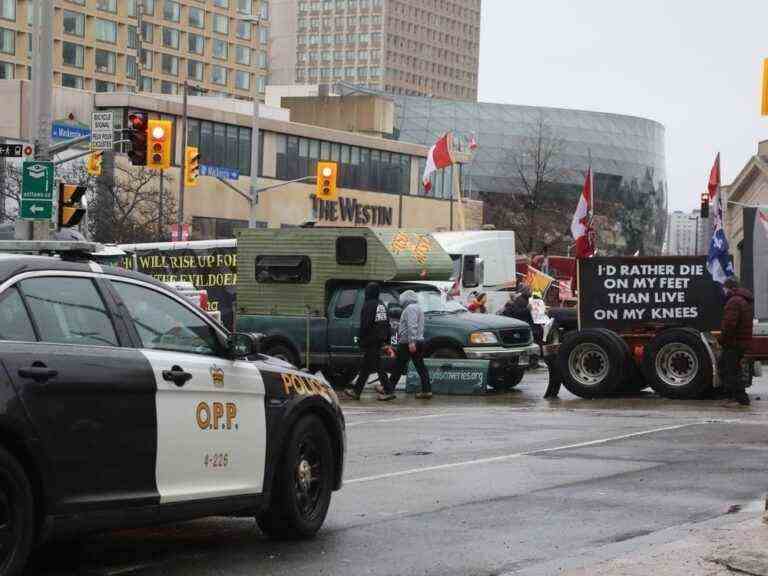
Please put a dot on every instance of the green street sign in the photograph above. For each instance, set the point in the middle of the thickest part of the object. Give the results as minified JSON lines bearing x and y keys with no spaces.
{"x":37,"y":191}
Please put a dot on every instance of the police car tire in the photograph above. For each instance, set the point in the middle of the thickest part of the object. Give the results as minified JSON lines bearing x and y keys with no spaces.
{"x":284,"y":520}
{"x":16,"y":498}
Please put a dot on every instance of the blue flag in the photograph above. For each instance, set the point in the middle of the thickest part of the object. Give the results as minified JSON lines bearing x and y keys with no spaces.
{"x":719,"y":261}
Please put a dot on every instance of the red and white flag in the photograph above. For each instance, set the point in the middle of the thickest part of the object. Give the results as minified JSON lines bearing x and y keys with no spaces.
{"x":472,"y":142}
{"x":581,"y":225}
{"x":439,"y":157}
{"x":763,"y":217}
{"x":714,"y":179}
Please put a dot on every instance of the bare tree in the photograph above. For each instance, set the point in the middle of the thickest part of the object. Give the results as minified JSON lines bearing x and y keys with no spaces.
{"x":538,"y":168}
{"x":128,"y":210}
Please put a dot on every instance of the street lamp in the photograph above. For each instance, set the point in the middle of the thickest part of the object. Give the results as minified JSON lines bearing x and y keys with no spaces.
{"x":254,"y":189}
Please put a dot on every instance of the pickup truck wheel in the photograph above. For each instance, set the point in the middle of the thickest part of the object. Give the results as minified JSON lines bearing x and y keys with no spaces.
{"x":302,"y":484}
{"x":676,"y":364}
{"x":17,"y":519}
{"x":447,"y":353}
{"x":592,"y":363}
{"x":282,"y":352}
{"x":341,"y":378}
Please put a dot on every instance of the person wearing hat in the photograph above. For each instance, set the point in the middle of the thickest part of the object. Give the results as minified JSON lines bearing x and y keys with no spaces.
{"x":737,"y":324}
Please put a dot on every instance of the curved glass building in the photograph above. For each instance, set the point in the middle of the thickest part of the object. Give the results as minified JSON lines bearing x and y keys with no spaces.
{"x":627,"y":155}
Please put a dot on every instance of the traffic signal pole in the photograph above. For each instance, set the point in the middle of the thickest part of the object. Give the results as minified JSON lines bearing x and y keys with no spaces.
{"x":182,"y":183}
{"x":42,"y":99}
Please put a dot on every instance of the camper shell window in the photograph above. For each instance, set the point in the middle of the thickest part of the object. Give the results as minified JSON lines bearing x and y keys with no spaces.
{"x":352,"y":250}
{"x":283,"y":269}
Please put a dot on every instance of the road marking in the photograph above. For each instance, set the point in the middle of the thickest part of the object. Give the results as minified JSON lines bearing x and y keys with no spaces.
{"x":516,"y":455}
{"x":402,"y":418}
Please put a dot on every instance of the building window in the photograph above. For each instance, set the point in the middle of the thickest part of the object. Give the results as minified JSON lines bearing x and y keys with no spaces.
{"x":243,"y":55}
{"x":264,"y":35}
{"x":223,"y":145}
{"x":245,"y":6}
{"x":264,"y":14}
{"x":149,"y":7}
{"x":243,"y":29}
{"x":7,"y":41}
{"x":6,"y":71}
{"x":220,"y":24}
{"x":106,"y":31}
{"x":72,"y":54}
{"x":262,"y":58}
{"x":196,"y":43}
{"x":169,"y":87}
{"x":131,"y":8}
{"x":74,"y":23}
{"x":102,"y":86}
{"x":130,"y":67}
{"x":221,"y":3}
{"x":147,"y":32}
{"x":147,"y":59}
{"x":195,"y":70}
{"x":8,"y":9}
{"x":196,"y":17}
{"x":107,"y":5}
{"x":70,"y":81}
{"x":105,"y":61}
{"x":242,"y":80}
{"x":146,"y":84}
{"x":220,"y":49}
{"x":171,"y":11}
{"x":261,"y":84}
{"x":133,"y":38}
{"x":169,"y":64}
{"x":219,"y":75}
{"x":170,"y":38}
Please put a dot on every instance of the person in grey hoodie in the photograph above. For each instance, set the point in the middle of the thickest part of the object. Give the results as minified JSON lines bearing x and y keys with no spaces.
{"x":410,"y":344}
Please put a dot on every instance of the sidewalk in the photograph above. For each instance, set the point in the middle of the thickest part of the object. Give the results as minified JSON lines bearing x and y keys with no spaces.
{"x":737,"y":548}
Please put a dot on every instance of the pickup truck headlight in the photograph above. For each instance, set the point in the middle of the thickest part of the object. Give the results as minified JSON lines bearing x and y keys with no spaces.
{"x":483,"y":338}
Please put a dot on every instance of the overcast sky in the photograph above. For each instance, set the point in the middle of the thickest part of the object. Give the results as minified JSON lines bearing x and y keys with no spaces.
{"x":693,"y":65}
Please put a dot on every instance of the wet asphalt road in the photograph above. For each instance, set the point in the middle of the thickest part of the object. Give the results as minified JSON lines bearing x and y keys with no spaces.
{"x":509,"y":484}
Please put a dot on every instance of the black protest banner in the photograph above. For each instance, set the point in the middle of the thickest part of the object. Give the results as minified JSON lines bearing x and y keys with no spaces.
{"x":622,"y":293}
{"x":211,"y":269}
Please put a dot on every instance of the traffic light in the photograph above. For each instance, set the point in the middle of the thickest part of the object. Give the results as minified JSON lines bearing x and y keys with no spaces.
{"x":326,"y":181}
{"x":94,"y":163}
{"x":71,"y":212}
{"x":191,"y":166}
{"x":159,"y":143}
{"x":705,"y":205}
{"x":138,"y":136}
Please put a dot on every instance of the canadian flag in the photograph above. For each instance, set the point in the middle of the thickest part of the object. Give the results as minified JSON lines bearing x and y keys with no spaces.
{"x":472,"y":142}
{"x":439,"y":157}
{"x":763,"y":220}
{"x":714,"y":179}
{"x":581,"y":225}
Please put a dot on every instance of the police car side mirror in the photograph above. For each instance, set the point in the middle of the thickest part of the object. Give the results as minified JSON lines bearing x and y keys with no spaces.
{"x":394,"y":312}
{"x":243,"y":344}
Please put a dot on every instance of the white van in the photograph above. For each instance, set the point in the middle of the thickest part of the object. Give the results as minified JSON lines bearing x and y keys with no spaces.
{"x":483,"y":261}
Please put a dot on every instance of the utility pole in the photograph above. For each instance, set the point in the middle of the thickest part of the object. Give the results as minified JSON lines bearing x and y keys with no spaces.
{"x":42,"y":99}
{"x":182,"y":179}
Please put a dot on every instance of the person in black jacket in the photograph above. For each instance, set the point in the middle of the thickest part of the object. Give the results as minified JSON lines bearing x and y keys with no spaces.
{"x":374,"y":335}
{"x":520,"y":307}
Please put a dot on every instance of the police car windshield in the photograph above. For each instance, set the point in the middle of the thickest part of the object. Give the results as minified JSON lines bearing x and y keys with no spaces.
{"x":436,"y":303}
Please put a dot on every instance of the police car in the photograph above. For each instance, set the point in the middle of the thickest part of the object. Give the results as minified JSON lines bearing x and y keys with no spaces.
{"x":123,"y":405}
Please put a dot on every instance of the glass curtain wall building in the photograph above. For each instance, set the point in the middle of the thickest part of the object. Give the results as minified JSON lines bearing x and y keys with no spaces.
{"x":627,"y":155}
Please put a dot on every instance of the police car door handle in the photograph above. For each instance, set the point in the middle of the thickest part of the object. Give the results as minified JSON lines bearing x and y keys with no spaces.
{"x":38,"y":372}
{"x":177,"y":376}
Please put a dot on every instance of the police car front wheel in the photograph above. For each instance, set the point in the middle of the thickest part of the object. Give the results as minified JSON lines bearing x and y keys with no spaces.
{"x":17,"y":515}
{"x":302,"y":484}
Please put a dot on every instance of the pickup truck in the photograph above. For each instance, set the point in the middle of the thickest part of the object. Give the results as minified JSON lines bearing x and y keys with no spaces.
{"x":450,"y":332}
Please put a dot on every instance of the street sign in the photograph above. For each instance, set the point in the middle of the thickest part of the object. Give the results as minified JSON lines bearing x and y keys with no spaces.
{"x":219,"y":172}
{"x":37,"y":191}
{"x":11,"y":150}
{"x":102,"y":131}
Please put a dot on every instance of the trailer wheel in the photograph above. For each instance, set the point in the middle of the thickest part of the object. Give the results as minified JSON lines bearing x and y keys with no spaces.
{"x":633,"y":382}
{"x":592,"y":363}
{"x":676,"y":364}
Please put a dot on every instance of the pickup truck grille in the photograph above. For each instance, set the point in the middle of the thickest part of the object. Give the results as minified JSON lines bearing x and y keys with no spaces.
{"x":515,"y":336}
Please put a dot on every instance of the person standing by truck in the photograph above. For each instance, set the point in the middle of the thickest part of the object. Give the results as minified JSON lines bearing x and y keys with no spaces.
{"x":737,"y":324}
{"x":410,"y":345}
{"x":373,"y":336}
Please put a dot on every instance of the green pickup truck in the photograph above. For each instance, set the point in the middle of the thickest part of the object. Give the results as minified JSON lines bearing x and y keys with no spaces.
{"x":303,"y":290}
